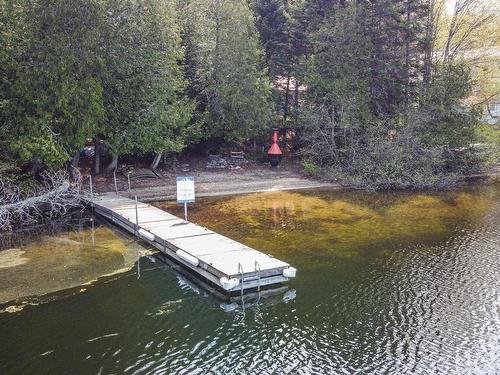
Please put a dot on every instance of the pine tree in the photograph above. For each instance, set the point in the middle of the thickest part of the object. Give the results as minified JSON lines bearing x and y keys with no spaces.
{"x":272,"y":25}
{"x":338,"y":78}
{"x":225,"y":66}
{"x":282,"y":35}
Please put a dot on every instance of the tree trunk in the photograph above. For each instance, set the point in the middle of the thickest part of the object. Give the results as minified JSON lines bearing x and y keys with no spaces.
{"x":296,"y":99}
{"x":284,"y":145}
{"x":74,"y":164}
{"x":287,"y":99}
{"x":156,"y":161}
{"x":217,"y":110}
{"x":407,"y":62}
{"x":113,"y":164}
{"x":430,"y":36}
{"x":97,"y":157}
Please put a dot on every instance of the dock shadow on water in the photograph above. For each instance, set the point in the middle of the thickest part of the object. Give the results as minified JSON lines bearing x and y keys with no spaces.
{"x":251,"y":301}
{"x":387,"y":283}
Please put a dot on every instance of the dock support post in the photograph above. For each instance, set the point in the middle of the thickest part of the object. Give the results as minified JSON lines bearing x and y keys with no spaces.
{"x":240,"y":271}
{"x":136,"y":218}
{"x":257,"y":268}
{"x":92,"y":208}
{"x":91,"y":192}
{"x":138,"y":260}
{"x":93,"y":232}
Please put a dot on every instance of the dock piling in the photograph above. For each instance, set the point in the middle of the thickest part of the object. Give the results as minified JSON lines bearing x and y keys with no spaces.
{"x":91,"y":192}
{"x":257,"y":268}
{"x":136,"y":218}
{"x":241,"y":272}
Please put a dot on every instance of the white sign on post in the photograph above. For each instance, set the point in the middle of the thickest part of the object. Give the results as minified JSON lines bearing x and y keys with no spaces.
{"x":185,"y":191}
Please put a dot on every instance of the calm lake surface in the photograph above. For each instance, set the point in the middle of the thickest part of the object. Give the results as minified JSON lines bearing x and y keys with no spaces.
{"x":393,"y":283}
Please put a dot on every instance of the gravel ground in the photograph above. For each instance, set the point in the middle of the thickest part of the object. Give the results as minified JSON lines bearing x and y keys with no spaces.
{"x":248,"y":179}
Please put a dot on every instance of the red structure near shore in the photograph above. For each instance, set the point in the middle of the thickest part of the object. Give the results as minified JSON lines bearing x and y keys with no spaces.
{"x":274,"y":152}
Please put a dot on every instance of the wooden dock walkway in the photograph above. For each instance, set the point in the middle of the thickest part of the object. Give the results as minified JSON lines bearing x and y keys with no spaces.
{"x":223,"y":262}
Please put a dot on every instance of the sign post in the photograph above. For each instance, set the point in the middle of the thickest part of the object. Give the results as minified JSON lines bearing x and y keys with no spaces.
{"x":185,"y":191}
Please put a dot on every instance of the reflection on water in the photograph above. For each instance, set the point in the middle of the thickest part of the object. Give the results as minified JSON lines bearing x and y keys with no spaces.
{"x":387,"y":283}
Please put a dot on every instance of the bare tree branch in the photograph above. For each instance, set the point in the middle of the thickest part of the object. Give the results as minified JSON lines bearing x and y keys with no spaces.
{"x":54,"y":197}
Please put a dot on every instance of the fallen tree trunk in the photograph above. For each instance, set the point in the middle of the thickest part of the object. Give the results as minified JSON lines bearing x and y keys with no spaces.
{"x":55,"y":197}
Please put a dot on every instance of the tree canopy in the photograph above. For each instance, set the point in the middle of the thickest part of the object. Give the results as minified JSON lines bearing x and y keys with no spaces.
{"x":228,"y":76}
{"x":378,"y":93}
{"x":80,"y":69}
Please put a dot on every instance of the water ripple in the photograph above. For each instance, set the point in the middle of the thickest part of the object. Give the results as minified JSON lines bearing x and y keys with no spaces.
{"x":403,"y":307}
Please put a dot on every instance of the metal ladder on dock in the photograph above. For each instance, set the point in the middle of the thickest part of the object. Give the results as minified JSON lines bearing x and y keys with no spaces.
{"x":257,"y":277}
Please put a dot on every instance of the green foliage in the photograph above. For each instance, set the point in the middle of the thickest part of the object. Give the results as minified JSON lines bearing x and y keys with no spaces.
{"x":274,"y":29}
{"x":489,"y":145}
{"x":148,"y":76}
{"x":488,"y":134}
{"x":311,"y":168}
{"x":368,"y":117}
{"x":76,"y":69}
{"x":146,"y":109}
{"x":225,"y":66}
{"x":54,"y":100}
{"x":445,"y":120}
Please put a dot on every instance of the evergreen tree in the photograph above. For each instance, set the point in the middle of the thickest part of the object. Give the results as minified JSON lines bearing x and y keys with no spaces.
{"x":282,"y":35}
{"x":80,"y":69}
{"x":274,"y":34}
{"x":336,"y":107}
{"x":381,"y":105}
{"x":225,"y":65}
{"x":368,"y":108}
{"x":146,"y":108}
{"x":52,"y":93}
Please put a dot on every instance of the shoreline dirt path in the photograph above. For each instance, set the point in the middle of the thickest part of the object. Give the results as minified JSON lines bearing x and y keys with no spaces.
{"x":218,"y":183}
{"x":210,"y":183}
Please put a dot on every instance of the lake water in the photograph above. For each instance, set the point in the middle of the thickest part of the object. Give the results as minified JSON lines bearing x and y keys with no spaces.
{"x":393,"y":283}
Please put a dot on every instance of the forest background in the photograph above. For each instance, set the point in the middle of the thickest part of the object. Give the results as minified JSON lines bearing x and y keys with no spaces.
{"x":376,"y":93}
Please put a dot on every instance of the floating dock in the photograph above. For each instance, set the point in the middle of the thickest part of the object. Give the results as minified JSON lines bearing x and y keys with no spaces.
{"x":227,"y":264}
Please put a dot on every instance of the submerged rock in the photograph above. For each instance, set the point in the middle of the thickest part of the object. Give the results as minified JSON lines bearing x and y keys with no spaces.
{"x":65,"y":261}
{"x":12,"y":258}
{"x":62,"y":241}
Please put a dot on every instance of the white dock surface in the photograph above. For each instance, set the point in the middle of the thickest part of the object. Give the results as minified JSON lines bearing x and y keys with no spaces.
{"x":216,"y":256}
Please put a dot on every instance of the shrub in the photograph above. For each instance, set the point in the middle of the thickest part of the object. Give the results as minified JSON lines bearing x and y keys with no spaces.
{"x":310,"y":168}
